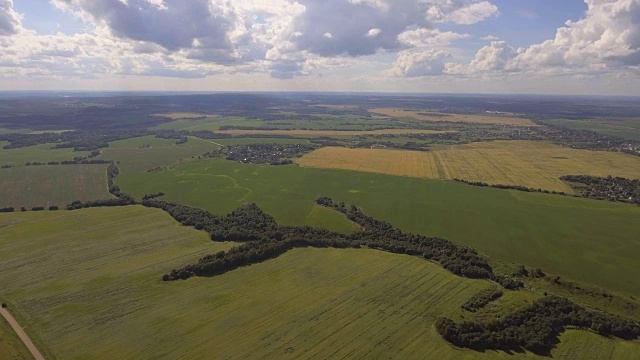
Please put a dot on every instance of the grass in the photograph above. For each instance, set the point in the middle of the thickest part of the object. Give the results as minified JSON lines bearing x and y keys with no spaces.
{"x":31,"y":186}
{"x":527,"y":163}
{"x":210,"y":123}
{"x":131,"y":155}
{"x":627,"y":128}
{"x":87,"y":285}
{"x":587,"y":240}
{"x":37,"y":153}
{"x":442,"y":117}
{"x":248,"y":141}
{"x":11,"y":347}
{"x":184,"y":115}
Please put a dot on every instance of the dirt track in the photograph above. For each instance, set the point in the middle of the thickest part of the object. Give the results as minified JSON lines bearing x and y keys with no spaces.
{"x":23,"y":336}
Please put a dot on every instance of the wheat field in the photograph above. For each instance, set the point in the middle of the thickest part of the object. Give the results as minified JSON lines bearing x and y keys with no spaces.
{"x":527,"y":163}
{"x":465,"y":118}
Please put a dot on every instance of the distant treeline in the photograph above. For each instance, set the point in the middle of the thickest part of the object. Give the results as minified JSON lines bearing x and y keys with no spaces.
{"x":510,"y":187}
{"x":535,"y":328}
{"x":264,"y":239}
{"x":77,"y":140}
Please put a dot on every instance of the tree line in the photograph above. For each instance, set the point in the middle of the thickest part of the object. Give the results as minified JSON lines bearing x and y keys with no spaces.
{"x":535,"y":328}
{"x":263,"y":239}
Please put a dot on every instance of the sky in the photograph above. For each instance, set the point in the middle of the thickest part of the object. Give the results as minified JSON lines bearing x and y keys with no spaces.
{"x":425,"y":46}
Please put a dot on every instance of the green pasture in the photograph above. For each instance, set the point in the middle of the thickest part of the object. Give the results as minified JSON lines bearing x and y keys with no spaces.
{"x":588,"y":240}
{"x":628,"y":128}
{"x":143,"y":153}
{"x":38,"y":153}
{"x":87,"y":285}
{"x":30,"y":186}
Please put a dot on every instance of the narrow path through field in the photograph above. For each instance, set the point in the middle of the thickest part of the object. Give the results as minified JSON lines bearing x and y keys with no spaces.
{"x":213,"y":142}
{"x":23,"y":336}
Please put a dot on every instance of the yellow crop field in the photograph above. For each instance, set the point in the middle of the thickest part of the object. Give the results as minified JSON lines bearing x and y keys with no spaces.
{"x":185,"y":115}
{"x":330,"y":132}
{"x":527,"y":163}
{"x":503,"y":119}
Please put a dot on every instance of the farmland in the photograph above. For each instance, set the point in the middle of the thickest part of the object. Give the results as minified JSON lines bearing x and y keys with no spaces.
{"x":330,"y":132}
{"x":526,"y":163}
{"x":184,"y":115}
{"x":87,"y":283}
{"x":628,"y":128}
{"x":10,"y":345}
{"x":563,"y":235}
{"x":59,"y":185}
{"x":37,"y":153}
{"x":144,"y":153}
{"x":445,"y":117}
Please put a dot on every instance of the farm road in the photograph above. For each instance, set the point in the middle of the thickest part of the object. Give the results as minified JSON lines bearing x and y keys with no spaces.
{"x":23,"y":336}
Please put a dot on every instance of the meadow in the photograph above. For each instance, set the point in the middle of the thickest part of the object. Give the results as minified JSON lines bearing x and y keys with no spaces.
{"x":87,"y":284}
{"x":627,"y":128}
{"x":587,"y":240}
{"x":143,"y":153}
{"x":37,"y":153}
{"x":527,"y":163}
{"x":446,"y":117}
{"x":48,"y":185}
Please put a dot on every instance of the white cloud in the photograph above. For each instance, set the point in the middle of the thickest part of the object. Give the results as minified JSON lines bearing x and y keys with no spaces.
{"x":489,"y":38}
{"x":10,"y":20}
{"x":493,"y":57}
{"x":419,"y":63}
{"x":373,"y":32}
{"x":462,"y":12}
{"x":429,"y":37}
{"x":328,"y":35}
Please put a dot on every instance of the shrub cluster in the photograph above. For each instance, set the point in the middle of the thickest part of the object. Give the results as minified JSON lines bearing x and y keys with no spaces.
{"x":481,"y":299}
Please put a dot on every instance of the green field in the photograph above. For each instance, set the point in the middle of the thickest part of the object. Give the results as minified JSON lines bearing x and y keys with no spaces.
{"x":58,"y":185}
{"x":248,"y":141}
{"x":38,"y":153}
{"x":628,"y":128}
{"x":593,"y":241}
{"x":87,"y":286}
{"x":212,"y":123}
{"x":11,"y":347}
{"x":131,"y":155}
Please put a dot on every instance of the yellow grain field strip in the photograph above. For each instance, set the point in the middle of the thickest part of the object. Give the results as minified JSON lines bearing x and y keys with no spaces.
{"x":184,"y":115}
{"x":330,"y":132}
{"x":527,"y":163}
{"x":442,"y":117}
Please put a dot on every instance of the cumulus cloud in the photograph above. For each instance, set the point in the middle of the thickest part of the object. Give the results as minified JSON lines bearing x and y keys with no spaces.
{"x":10,"y":21}
{"x":284,"y":38}
{"x":172,"y":24}
{"x":460,"y":11}
{"x":607,"y":38}
{"x":429,"y":37}
{"x":420,"y":63}
{"x":493,"y":57}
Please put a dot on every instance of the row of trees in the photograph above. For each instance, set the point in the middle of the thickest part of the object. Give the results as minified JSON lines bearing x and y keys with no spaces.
{"x":535,"y":328}
{"x":510,"y":187}
{"x":265,"y":239}
{"x":460,"y":260}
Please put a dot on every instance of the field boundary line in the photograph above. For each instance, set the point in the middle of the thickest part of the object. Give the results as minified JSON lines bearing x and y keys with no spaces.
{"x":22,"y":334}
